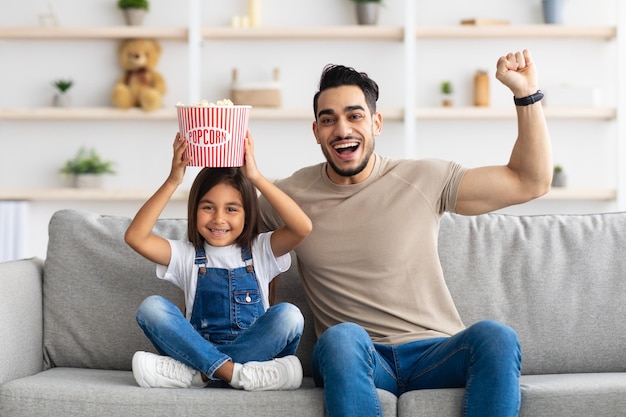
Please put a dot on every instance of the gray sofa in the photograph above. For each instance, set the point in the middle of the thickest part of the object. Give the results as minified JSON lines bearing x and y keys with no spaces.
{"x":68,"y":330}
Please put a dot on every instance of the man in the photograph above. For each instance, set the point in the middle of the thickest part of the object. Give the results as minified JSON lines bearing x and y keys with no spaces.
{"x":383,"y":314}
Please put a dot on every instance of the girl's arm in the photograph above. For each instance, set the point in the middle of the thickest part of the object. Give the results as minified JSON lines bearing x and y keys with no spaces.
{"x":139,"y":233}
{"x":297,"y":224}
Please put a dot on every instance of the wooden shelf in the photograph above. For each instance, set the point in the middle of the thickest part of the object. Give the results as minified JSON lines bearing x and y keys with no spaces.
{"x":516,"y":31}
{"x":117,"y":195}
{"x":355,"y":32}
{"x":109,"y":113}
{"x":84,"y":113}
{"x":593,"y":194}
{"x":91,"y":33}
{"x":280,"y":114}
{"x":260,"y":113}
{"x":484,"y":113}
{"x":83,"y":194}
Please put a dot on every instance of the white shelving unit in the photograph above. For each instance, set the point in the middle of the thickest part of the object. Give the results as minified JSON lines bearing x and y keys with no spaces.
{"x":407,"y":34}
{"x":598,"y":33}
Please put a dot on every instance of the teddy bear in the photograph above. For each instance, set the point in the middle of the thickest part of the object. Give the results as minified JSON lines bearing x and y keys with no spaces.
{"x":140,"y":86}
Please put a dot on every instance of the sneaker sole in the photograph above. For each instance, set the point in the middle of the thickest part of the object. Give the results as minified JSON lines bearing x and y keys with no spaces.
{"x":296,"y":368}
{"x":137,"y":372}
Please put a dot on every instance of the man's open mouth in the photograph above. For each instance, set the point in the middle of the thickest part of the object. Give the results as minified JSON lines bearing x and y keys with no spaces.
{"x":346,"y":148}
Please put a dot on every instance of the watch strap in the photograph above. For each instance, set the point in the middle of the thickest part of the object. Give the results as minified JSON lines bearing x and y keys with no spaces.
{"x":528,"y":100}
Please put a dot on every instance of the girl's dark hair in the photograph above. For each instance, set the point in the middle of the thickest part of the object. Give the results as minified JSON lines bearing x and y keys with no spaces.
{"x":340,"y":75}
{"x":209,"y":178}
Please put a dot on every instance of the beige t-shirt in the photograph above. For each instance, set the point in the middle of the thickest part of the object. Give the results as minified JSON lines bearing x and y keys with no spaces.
{"x":372,"y":257}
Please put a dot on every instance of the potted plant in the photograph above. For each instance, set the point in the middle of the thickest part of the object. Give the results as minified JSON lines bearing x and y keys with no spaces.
{"x":86,"y":169}
{"x":447,"y":99}
{"x":61,"y":98}
{"x":367,"y":11}
{"x":134,"y":10}
{"x":559,"y":179}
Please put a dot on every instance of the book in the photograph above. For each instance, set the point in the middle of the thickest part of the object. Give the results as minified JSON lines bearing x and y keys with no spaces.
{"x":485,"y":22}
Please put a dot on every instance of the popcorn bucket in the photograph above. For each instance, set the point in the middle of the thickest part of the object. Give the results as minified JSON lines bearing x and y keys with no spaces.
{"x":216,"y":134}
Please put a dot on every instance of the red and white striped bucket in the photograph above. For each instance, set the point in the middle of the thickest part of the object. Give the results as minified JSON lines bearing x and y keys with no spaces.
{"x":216,"y":134}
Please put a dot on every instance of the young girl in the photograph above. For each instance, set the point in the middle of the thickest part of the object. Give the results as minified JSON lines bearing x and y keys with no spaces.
{"x":230,"y":332}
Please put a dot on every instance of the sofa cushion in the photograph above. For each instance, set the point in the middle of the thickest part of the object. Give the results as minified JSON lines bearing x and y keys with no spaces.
{"x":90,"y":392}
{"x":94,"y":392}
{"x":571,"y":395}
{"x":558,"y":280}
{"x":93,"y":284}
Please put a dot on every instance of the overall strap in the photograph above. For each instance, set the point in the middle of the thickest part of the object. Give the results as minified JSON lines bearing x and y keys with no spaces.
{"x":246,"y":256}
{"x":201,"y":260}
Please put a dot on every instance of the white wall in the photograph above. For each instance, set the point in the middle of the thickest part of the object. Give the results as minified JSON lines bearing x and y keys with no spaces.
{"x":33,"y":152}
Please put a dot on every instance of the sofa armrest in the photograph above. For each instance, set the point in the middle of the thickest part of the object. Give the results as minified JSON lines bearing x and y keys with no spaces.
{"x":21,"y":318}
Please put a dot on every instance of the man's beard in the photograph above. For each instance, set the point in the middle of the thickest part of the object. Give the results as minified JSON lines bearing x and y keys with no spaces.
{"x":349,"y":172}
{"x":352,"y":171}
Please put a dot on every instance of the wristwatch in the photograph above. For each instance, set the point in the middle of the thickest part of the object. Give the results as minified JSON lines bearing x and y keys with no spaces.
{"x":528,"y":100}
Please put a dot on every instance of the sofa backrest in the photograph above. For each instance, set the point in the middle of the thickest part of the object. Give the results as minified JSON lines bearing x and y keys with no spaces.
{"x":93,"y":284}
{"x":558,"y":280}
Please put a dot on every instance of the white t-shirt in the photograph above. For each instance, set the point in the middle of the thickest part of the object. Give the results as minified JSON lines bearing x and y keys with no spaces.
{"x":183,"y":272}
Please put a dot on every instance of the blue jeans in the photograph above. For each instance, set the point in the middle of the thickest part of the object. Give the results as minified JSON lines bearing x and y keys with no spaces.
{"x":273,"y":335}
{"x":485,"y":358}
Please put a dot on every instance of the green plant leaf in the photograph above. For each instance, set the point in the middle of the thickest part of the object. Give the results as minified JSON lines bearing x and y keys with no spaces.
{"x":133,"y":4}
{"x":87,"y":162}
{"x":63,"y":85}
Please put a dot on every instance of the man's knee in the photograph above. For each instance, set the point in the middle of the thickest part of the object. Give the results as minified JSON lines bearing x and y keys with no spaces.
{"x":340,"y":347}
{"x":496,"y":339}
{"x":490,"y":329}
{"x":344,"y":339}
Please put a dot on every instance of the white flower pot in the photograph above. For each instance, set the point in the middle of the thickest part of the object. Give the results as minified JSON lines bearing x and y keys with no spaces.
{"x":88,"y":181}
{"x":134,"y":17}
{"x":61,"y":100}
{"x":367,"y":12}
{"x":559,"y":179}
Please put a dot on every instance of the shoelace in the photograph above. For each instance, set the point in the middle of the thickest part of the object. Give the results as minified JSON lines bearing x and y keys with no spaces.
{"x":172,"y":369}
{"x":260,"y":376}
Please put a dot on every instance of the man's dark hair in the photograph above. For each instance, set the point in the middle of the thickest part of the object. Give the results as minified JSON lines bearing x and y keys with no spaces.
{"x":340,"y":75}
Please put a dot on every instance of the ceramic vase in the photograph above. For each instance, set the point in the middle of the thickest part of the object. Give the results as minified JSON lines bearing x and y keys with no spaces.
{"x":61,"y":100}
{"x":134,"y":17}
{"x":367,"y":12}
{"x":88,"y":181}
{"x":552,"y":11}
{"x":559,"y":179}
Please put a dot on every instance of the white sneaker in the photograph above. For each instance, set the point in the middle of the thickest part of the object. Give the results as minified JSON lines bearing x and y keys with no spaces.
{"x":276,"y":375}
{"x":156,"y":371}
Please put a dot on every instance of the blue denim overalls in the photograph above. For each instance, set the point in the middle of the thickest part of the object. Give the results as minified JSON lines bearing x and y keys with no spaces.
{"x":226,"y":301}
{"x":228,"y":321}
